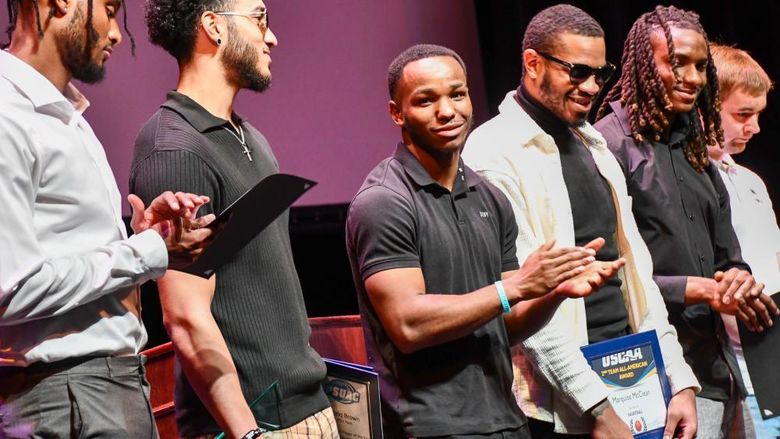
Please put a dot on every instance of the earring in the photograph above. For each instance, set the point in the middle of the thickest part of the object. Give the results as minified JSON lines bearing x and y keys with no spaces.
{"x":219,"y":41}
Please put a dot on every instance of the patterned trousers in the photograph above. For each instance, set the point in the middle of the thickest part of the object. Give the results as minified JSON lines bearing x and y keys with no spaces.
{"x":321,"y":425}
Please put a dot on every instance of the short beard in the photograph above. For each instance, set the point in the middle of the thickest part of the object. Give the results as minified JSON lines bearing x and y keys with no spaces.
{"x":76,"y":51}
{"x":240,"y":61}
{"x":555,"y":104}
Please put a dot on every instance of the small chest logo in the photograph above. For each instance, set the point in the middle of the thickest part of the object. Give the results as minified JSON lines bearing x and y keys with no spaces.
{"x":484,"y":214}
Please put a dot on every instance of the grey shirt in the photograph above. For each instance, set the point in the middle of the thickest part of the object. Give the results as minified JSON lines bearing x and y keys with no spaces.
{"x":462,"y":241}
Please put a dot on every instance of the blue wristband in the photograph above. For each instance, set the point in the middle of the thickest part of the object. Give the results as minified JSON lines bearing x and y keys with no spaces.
{"x":502,"y":295}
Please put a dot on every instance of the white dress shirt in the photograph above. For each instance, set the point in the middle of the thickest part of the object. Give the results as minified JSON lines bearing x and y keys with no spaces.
{"x":755,"y":224}
{"x":553,"y":381}
{"x":68,"y":273}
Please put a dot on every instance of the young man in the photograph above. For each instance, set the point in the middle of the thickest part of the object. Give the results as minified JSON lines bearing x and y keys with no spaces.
{"x":430,"y":242}
{"x":664,"y":114}
{"x":245,"y":328}
{"x":70,"y":322}
{"x":743,"y":89}
{"x":564,"y":184}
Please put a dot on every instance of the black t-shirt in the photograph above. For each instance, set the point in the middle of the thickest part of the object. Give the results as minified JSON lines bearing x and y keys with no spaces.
{"x":258,"y":303}
{"x":462,"y":241}
{"x":593,"y":215}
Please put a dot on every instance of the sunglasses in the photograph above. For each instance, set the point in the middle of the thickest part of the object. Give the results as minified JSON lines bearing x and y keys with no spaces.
{"x":579,"y":73}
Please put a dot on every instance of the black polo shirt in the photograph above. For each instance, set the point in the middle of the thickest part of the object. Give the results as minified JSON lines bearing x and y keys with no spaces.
{"x":462,"y":241}
{"x":685,"y":218}
{"x":258,"y":302}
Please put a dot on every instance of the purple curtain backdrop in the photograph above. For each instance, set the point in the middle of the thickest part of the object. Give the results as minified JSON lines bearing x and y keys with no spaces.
{"x":326,"y":112}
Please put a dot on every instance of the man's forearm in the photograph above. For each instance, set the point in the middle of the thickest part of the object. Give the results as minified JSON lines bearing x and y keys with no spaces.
{"x":530,"y":316}
{"x":210,"y":370}
{"x":54,"y":286}
{"x":433,"y":319}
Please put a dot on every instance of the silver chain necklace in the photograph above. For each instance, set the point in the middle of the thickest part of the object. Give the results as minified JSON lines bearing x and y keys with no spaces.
{"x":241,"y":140}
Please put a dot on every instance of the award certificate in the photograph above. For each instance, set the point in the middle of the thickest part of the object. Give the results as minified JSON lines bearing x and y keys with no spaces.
{"x":353,"y":391}
{"x":633,"y":369}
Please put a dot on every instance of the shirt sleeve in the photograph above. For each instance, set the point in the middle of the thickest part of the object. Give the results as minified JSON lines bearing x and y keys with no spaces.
{"x":36,"y":285}
{"x":672,"y":287}
{"x":176,"y":171}
{"x":727,"y":251}
{"x":508,"y":232}
{"x":381,"y":231}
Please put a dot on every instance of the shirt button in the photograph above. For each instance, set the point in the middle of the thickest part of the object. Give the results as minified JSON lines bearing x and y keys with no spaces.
{"x":682,"y":178}
{"x":690,"y":217}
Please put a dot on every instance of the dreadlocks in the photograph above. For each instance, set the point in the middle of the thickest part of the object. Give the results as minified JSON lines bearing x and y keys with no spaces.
{"x":641,"y":90}
{"x":15,"y":6}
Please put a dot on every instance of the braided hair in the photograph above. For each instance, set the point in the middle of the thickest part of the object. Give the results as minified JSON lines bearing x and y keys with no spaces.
{"x":15,"y":6}
{"x":641,"y":90}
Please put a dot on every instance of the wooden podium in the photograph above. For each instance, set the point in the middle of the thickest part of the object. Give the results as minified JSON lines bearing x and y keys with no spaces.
{"x":338,"y":337}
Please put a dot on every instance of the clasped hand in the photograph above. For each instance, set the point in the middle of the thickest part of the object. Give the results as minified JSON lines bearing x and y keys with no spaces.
{"x":739,"y":294}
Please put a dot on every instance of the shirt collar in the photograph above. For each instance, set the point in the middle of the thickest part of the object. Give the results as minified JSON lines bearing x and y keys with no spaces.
{"x":523,"y":130}
{"x":43,"y":95}
{"x":726,"y":164}
{"x":194,"y":113}
{"x":622,"y":117}
{"x":546,"y":119}
{"x":466,"y":179}
{"x":679,"y":129}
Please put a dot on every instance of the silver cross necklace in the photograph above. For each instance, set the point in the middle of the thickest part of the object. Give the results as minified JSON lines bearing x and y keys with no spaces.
{"x":241,"y":140}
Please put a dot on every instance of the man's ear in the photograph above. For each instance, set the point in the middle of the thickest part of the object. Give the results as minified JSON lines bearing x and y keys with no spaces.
{"x":532,"y":63}
{"x":213,"y":27}
{"x":58,"y":8}
{"x":395,"y":113}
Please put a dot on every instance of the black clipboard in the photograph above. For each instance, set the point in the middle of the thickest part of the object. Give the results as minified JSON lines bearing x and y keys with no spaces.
{"x":761,"y":352}
{"x":247,"y":217}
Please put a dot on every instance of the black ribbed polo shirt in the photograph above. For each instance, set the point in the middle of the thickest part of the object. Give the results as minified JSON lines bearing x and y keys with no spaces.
{"x":258,"y":303}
